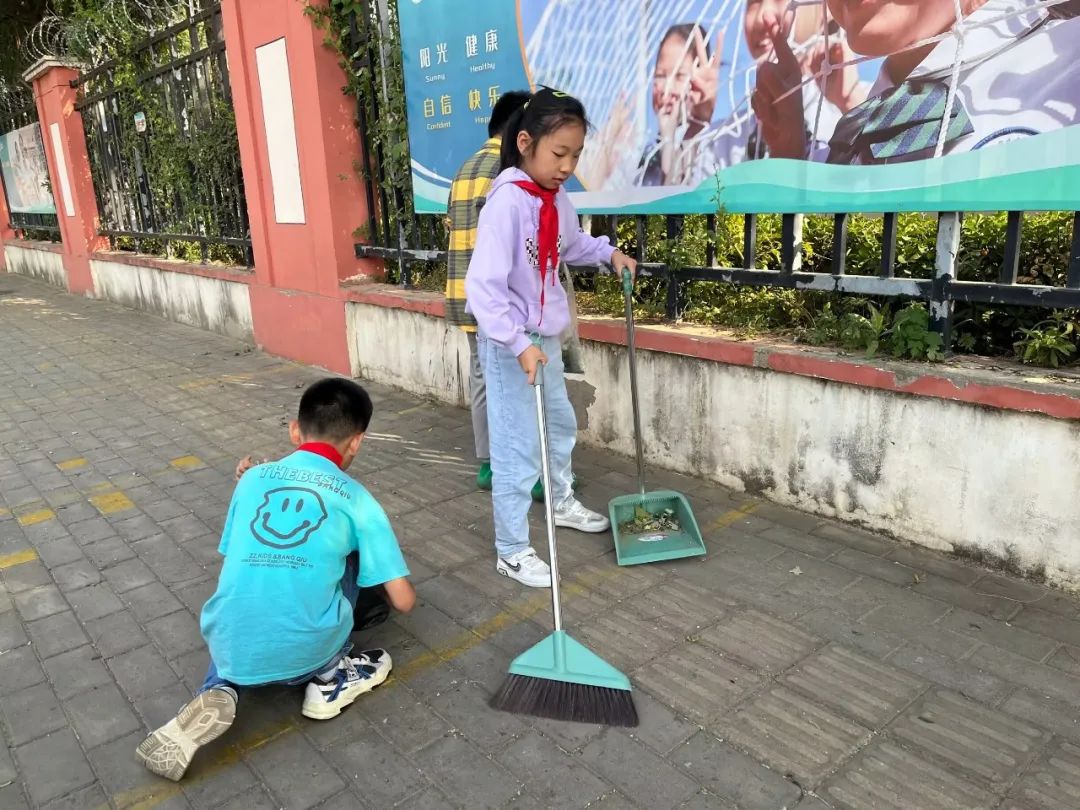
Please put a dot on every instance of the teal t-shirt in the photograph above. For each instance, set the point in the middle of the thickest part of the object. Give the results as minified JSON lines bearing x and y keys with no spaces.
{"x":278,"y":612}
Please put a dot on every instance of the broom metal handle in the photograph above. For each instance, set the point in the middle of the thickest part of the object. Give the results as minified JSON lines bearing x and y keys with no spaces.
{"x":628,"y":300}
{"x":549,"y":503}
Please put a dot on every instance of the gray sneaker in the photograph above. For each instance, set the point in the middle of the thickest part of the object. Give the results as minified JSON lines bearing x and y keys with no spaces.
{"x":168,"y":751}
{"x":572,"y":514}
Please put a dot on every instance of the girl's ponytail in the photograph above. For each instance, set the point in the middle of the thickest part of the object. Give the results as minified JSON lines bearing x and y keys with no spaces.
{"x":543,"y":113}
{"x":509,"y":154}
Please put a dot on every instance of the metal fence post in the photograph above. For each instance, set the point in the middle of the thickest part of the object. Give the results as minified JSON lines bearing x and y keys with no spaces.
{"x":941,"y":305}
{"x":791,"y":243}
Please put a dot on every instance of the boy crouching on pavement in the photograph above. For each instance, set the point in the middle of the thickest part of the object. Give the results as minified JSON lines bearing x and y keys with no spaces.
{"x":300,"y":542}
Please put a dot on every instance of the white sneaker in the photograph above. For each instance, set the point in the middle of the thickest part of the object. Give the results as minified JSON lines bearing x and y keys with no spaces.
{"x":574,"y":515}
{"x":526,"y":568}
{"x":168,"y":751}
{"x":355,"y":676}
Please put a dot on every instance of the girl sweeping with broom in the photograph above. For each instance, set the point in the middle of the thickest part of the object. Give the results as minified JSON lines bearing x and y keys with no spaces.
{"x":526,"y":226}
{"x":512,"y":287}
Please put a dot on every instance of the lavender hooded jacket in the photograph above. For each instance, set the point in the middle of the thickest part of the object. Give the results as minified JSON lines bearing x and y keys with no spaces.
{"x":502,"y":286}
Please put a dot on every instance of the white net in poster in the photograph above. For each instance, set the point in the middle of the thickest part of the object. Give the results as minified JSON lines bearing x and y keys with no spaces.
{"x":665,"y":113}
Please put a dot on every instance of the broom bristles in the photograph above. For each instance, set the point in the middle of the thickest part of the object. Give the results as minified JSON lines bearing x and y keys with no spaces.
{"x":561,"y":700}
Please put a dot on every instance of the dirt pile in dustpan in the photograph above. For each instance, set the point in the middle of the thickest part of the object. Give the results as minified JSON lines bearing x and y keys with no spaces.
{"x":645,"y":522}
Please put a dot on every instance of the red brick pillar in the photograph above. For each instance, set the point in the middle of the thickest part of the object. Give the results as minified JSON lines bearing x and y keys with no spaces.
{"x":6,"y":231}
{"x":69,"y":169}
{"x":298,"y":144}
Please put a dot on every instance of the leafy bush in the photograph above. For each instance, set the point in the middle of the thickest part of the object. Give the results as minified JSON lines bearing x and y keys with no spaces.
{"x":854,"y":323}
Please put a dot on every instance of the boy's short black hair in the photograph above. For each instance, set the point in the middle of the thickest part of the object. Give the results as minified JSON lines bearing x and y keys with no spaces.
{"x":508,"y":104}
{"x":334,"y":409}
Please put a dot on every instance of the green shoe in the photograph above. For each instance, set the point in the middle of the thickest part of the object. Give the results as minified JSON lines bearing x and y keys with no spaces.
{"x":483,"y":476}
{"x":538,"y":489}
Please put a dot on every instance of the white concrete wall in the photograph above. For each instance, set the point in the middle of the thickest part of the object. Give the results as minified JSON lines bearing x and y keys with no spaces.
{"x":408,"y":350}
{"x":937,"y":473}
{"x":213,"y":304}
{"x":40,"y":264}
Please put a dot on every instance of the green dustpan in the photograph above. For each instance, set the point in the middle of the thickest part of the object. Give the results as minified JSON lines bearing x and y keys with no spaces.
{"x":650,"y":545}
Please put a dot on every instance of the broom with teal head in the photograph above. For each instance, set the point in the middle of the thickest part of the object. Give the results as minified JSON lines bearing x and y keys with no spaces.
{"x":560,"y":678}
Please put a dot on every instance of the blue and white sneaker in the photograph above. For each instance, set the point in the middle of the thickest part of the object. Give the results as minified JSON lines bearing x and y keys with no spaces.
{"x":327,"y":696}
{"x":168,"y":750}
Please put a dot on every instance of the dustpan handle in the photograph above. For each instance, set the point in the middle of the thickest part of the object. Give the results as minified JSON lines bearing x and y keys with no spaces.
{"x":628,"y":292}
{"x":549,"y":503}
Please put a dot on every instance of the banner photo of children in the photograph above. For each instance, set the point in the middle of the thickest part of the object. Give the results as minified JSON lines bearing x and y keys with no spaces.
{"x":24,"y":171}
{"x":766,"y":105}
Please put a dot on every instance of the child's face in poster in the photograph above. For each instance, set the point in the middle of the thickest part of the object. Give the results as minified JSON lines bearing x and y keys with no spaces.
{"x":671,"y":76}
{"x":882,"y":27}
{"x":757,"y":34}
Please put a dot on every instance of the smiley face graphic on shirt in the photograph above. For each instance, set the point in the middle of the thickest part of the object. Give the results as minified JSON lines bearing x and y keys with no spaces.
{"x":288,"y":516}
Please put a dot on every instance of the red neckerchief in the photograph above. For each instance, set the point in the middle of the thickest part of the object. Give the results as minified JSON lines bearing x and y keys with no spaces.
{"x":327,"y":451}
{"x":547,"y":237}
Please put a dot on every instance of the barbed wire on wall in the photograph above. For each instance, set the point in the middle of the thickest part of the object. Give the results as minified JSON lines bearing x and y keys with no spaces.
{"x":92,"y":38}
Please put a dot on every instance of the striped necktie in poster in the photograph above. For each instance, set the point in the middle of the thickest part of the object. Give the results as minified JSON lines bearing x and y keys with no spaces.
{"x":902,"y":121}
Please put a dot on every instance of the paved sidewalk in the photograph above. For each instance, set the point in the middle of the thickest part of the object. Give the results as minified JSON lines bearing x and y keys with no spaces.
{"x":802,"y":664}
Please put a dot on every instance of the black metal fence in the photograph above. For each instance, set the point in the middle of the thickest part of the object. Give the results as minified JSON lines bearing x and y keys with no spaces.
{"x":406,"y":240}
{"x":17,"y":115}
{"x":164,"y":155}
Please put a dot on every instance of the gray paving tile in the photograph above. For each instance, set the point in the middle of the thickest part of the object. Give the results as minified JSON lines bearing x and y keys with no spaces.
{"x":462,"y":770}
{"x":52,"y":766}
{"x":56,"y":634}
{"x":794,"y":735}
{"x":100,"y":715}
{"x":556,"y":778}
{"x":989,"y":746}
{"x":730,"y":773}
{"x":865,"y":690}
{"x":759,"y":641}
{"x":659,"y":727}
{"x":697,"y":683}
{"x":1048,"y":624}
{"x":1044,"y":711}
{"x":40,"y":602}
{"x":31,"y":712}
{"x":636,"y":771}
{"x":295,"y":774}
{"x":1052,"y":782}
{"x":890,"y":777}
{"x":964,"y":677}
{"x":76,"y":671}
{"x":116,"y":633}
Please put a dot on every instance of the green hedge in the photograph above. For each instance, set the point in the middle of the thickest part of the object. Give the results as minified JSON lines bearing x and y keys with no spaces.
{"x":855,"y":323}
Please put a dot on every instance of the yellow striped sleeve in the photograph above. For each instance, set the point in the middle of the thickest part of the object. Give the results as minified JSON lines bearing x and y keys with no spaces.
{"x":455,"y":288}
{"x":464,"y":190}
{"x":464,"y":239}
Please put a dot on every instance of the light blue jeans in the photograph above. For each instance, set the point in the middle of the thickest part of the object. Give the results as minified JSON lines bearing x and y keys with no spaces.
{"x":515,"y":437}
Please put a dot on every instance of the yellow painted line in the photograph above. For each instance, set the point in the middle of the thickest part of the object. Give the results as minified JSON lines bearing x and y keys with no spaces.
{"x":112,"y":502}
{"x":244,"y":377}
{"x":734,"y":516}
{"x":4,"y":512}
{"x":71,"y":464}
{"x":187,"y":463}
{"x":149,"y":797}
{"x":17,"y":558}
{"x":425,"y":406}
{"x":33,"y":518}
